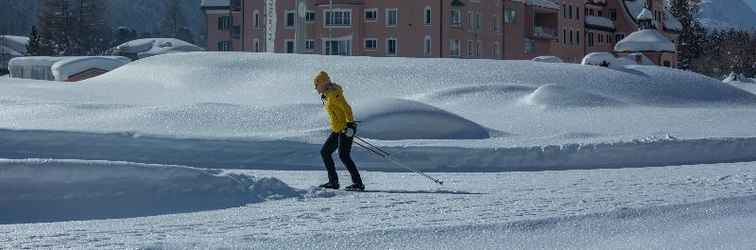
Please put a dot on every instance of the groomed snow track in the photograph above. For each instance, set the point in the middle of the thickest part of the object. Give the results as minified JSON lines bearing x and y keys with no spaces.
{"x":288,"y":155}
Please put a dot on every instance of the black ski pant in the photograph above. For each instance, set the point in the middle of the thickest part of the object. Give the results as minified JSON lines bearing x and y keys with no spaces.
{"x":343,"y":143}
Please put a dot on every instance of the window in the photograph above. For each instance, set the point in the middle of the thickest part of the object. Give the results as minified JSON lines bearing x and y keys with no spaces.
{"x":391,"y":46}
{"x":310,"y":17}
{"x":510,"y":16}
{"x":577,"y":13}
{"x":256,"y":45}
{"x":454,"y":48}
{"x":613,"y":14}
{"x":428,"y":16}
{"x":290,"y":48}
{"x":470,"y":20}
{"x":371,"y":15}
{"x":392,"y":17}
{"x":496,"y":50}
{"x":224,"y":22}
{"x":290,"y":18}
{"x":577,"y":37}
{"x":571,"y":38}
{"x":564,"y":11}
{"x":478,"y":47}
{"x":371,"y":44}
{"x":310,"y":44}
{"x":427,"y":46}
{"x":236,"y":32}
{"x":477,"y":21}
{"x":338,"y":47}
{"x":667,"y":64}
{"x":590,"y":39}
{"x":600,"y":38}
{"x":256,"y":19}
{"x":590,"y":12}
{"x":495,"y":26}
{"x":470,"y":48}
{"x":530,"y":45}
{"x":224,"y":45}
{"x":564,"y":36}
{"x":338,"y":18}
{"x":570,"y":11}
{"x":455,"y":18}
{"x":599,"y":13}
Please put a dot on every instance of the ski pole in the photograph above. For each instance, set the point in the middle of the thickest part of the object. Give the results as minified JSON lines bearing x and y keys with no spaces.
{"x":387,"y":157}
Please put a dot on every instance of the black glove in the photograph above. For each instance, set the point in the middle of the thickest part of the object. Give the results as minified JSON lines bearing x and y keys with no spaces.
{"x":351,"y":129}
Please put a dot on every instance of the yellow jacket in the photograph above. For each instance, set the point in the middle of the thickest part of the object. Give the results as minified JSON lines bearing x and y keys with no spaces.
{"x":339,"y":111}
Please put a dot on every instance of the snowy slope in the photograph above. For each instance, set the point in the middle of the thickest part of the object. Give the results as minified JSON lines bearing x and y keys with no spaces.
{"x":726,"y":14}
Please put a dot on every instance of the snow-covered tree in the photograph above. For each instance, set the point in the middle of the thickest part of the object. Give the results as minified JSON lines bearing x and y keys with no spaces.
{"x":693,"y":33}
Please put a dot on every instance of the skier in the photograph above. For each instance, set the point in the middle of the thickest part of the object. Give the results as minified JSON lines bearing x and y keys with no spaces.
{"x":343,"y":129}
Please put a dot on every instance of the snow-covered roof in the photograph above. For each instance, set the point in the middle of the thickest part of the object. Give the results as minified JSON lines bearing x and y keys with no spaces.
{"x":215,"y":3}
{"x":14,"y":43}
{"x":599,"y":21}
{"x":606,"y":59}
{"x":670,"y":22}
{"x":542,"y":3}
{"x":547,"y":59}
{"x":634,"y":7}
{"x":155,"y":46}
{"x":649,"y":40}
{"x":65,"y":66}
{"x":645,"y":15}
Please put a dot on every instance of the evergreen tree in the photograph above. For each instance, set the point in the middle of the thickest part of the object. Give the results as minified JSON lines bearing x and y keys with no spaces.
{"x":54,"y":20}
{"x":693,"y":33}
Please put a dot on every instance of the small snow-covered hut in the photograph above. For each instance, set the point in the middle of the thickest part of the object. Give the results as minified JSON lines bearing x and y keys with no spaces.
{"x":648,"y":42}
{"x":146,"y":47}
{"x":64,"y":69}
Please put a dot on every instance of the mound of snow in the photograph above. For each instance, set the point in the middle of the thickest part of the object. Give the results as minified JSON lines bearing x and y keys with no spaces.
{"x":36,"y":190}
{"x":560,"y":96}
{"x":605,"y":59}
{"x":147,"y":47}
{"x":398,"y":119}
{"x":644,"y":41}
{"x":548,"y":59}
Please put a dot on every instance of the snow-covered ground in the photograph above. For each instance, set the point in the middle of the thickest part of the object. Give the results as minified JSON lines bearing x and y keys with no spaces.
{"x":682,"y":207}
{"x":221,"y":150}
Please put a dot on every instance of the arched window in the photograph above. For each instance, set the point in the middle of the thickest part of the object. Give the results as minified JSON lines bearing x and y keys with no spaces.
{"x":428,"y":16}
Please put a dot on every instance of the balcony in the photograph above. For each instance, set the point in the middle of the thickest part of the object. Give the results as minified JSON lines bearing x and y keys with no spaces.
{"x":235,"y":5}
{"x":545,"y":25}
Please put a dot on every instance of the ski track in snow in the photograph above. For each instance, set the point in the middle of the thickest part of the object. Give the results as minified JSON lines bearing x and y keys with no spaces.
{"x":461,"y":213}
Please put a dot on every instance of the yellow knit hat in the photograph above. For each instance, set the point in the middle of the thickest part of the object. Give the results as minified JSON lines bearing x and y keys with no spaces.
{"x":322,"y":78}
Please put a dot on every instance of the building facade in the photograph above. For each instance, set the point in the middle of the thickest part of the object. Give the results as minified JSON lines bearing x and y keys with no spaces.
{"x":486,"y":29}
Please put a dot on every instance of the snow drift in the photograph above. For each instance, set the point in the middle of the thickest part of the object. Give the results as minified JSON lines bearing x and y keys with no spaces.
{"x":397,"y":119}
{"x":37,"y":190}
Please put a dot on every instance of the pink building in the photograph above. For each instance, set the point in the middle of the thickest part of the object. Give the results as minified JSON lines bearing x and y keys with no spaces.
{"x":492,"y":29}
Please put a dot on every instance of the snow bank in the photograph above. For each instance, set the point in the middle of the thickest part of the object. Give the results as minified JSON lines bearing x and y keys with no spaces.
{"x":499,"y":155}
{"x":547,"y":59}
{"x":560,"y":96}
{"x":398,"y":119}
{"x":649,"y":40}
{"x":36,"y":190}
{"x":606,"y":59}
{"x":147,"y":47}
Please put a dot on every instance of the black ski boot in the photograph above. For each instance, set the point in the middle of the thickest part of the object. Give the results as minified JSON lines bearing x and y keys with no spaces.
{"x":355,"y":187}
{"x":330,"y":185}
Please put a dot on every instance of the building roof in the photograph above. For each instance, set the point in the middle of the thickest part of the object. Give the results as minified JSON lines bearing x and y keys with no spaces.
{"x":549,"y":4}
{"x":599,"y":21}
{"x":649,"y":40}
{"x":215,"y":3}
{"x":645,"y":15}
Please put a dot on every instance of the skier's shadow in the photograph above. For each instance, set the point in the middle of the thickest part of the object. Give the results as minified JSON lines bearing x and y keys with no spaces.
{"x":423,"y":192}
